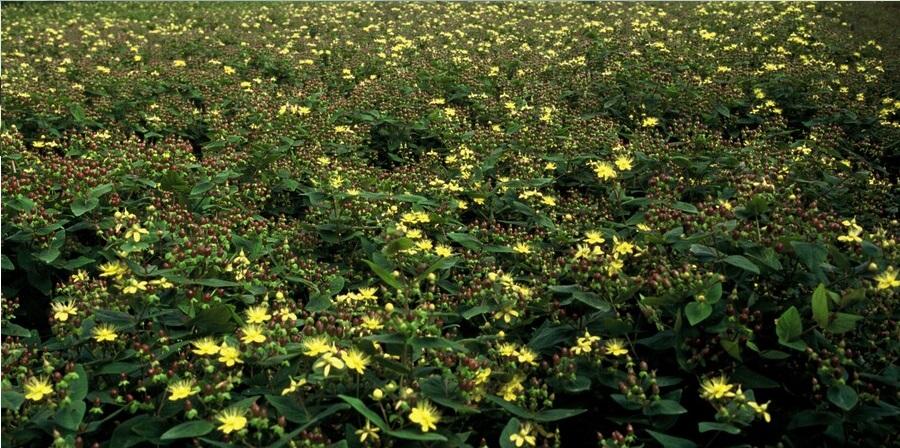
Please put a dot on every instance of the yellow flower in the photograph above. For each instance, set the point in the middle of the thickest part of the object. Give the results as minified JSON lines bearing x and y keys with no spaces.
{"x":295,"y":384}
{"x":355,"y":360}
{"x":615,"y":347}
{"x":604,"y":170}
{"x":367,"y":432}
{"x":253,"y":333}
{"x":182,"y":389}
{"x":206,"y":347}
{"x":36,"y":388}
{"x":507,"y":349}
{"x":228,"y":70}
{"x":649,"y":122}
{"x":614,"y":267}
{"x":232,"y":419}
{"x":623,"y":163}
{"x":372,"y":323}
{"x":511,"y":390}
{"x":761,"y":410}
{"x":526,"y":356}
{"x":584,"y":344}
{"x":524,"y":436}
{"x":62,"y":310}
{"x":257,"y":314}
{"x":716,"y":388}
{"x":482,"y":376}
{"x":443,"y":251}
{"x":104,"y":333}
{"x":853,"y":232}
{"x":593,"y":237}
{"x":887,"y":279}
{"x":327,"y":361}
{"x":622,"y":247}
{"x":229,"y":355}
{"x":368,"y":293}
{"x":287,"y":315}
{"x":134,"y":285}
{"x":425,"y":415}
{"x":114,"y":269}
{"x":135,"y":232}
{"x":179,"y":63}
{"x":522,"y":248}
{"x":316,"y":346}
{"x":507,"y":314}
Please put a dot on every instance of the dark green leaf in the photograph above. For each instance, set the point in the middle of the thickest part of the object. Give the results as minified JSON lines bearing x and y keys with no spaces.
{"x":188,"y":429}
{"x":820,"y":306}
{"x":668,"y":441}
{"x":665,"y":407}
{"x":713,"y":426}
{"x":10,"y":399}
{"x":789,"y":327}
{"x":81,"y":205}
{"x":742,"y":262}
{"x":384,"y":275}
{"x":843,"y":396}
{"x":696,"y":312}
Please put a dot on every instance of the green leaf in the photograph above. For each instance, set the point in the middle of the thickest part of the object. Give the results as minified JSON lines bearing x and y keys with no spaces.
{"x":820,"y":306}
{"x":789,"y":327}
{"x":81,"y":205}
{"x":668,"y":441}
{"x":215,"y":319}
{"x":550,"y":415}
{"x":713,"y":426}
{"x":288,"y":407}
{"x":100,"y":190}
{"x":843,"y":396}
{"x":685,"y":207}
{"x":214,"y":282}
{"x":843,"y":323}
{"x":188,"y":429}
{"x":337,"y":407}
{"x":696,"y":312}
{"x":665,"y":407}
{"x":475,"y":311}
{"x":384,"y":275}
{"x":812,"y":255}
{"x":318,"y":302}
{"x":76,"y":263}
{"x":117,"y":368}
{"x":742,"y":262}
{"x":11,"y":329}
{"x":512,"y":427}
{"x":71,"y":415}
{"x":360,"y":407}
{"x":466,"y":240}
{"x":10,"y":399}
{"x":78,"y":388}
{"x":733,"y":348}
{"x":6,"y":263}
{"x":77,"y":113}
{"x":714,"y":293}
{"x":436,"y":343}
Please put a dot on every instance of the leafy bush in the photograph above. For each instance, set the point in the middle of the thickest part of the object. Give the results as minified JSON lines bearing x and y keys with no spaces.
{"x":401,"y":224}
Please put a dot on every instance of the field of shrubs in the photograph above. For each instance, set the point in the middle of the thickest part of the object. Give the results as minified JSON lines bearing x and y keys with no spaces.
{"x":447,"y":225}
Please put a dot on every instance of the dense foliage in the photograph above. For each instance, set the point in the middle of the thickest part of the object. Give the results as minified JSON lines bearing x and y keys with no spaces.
{"x":396,"y":224}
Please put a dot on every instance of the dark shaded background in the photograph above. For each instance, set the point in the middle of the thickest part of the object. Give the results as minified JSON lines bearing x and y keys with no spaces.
{"x":879,"y":21}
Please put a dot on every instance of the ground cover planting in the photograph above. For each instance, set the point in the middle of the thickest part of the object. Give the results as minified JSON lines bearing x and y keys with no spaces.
{"x":448,"y":225}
